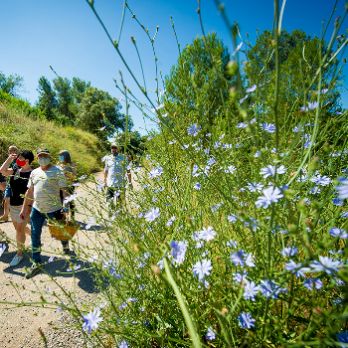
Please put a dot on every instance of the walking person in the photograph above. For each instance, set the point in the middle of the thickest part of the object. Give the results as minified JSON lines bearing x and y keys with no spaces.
{"x":69,"y":170}
{"x":18,"y":182}
{"x":115,"y":171}
{"x":12,"y":150}
{"x":43,"y":195}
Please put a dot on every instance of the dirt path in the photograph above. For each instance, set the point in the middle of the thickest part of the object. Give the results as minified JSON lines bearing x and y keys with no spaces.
{"x":25,"y":326}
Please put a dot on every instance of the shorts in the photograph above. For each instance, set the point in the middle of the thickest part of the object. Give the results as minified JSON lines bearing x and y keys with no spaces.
{"x":7,"y":192}
{"x":14,"y":213}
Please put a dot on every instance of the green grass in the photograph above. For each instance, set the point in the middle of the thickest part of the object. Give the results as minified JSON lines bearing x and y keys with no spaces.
{"x":17,"y":128}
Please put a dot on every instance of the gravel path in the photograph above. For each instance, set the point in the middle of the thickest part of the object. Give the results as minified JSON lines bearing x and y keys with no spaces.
{"x":33,"y":326}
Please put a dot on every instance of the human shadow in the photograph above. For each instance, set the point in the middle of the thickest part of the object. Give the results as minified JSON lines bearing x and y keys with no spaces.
{"x":56,"y":267}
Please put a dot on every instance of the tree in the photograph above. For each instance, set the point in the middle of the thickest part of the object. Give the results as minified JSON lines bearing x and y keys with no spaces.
{"x":99,"y":113}
{"x":65,"y":99}
{"x":299,"y":59}
{"x":47,"y":101}
{"x":11,"y":84}
{"x":197,"y":88}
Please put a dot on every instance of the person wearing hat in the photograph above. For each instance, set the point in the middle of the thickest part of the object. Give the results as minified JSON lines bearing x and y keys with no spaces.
{"x":43,"y":198}
{"x":115,"y":170}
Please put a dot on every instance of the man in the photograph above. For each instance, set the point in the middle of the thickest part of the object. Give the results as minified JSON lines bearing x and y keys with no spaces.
{"x":115,"y":170}
{"x":43,"y":198}
{"x":12,"y":150}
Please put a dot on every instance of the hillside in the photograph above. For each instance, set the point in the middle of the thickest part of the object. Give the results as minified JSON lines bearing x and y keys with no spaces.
{"x":26,"y":132}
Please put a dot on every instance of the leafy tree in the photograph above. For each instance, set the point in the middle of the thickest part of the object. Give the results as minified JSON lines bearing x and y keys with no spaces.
{"x":79,"y":88}
{"x":299,"y":58}
{"x":11,"y":84}
{"x":197,"y":88}
{"x":99,"y":113}
{"x":65,"y":99}
{"x":47,"y":101}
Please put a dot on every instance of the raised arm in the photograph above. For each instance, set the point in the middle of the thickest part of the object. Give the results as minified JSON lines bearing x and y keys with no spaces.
{"x":4,"y":169}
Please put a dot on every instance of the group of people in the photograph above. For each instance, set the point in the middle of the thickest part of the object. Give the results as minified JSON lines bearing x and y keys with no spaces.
{"x":35,"y":195}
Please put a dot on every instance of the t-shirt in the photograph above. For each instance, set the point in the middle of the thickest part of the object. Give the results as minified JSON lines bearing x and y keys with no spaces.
{"x":47,"y":185}
{"x":18,"y":183}
{"x":116,"y":167}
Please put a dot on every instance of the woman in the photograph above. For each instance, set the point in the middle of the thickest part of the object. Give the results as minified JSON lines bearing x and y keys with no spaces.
{"x":69,"y":171}
{"x":19,"y":177}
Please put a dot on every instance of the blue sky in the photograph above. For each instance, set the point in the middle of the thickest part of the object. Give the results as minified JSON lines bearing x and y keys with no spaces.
{"x":66,"y":35}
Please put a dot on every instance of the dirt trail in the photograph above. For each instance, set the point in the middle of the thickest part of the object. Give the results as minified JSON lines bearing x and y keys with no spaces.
{"x":21,"y":326}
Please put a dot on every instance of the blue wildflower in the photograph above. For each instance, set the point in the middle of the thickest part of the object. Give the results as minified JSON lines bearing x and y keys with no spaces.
{"x":193,"y":129}
{"x":232,"y":218}
{"x":321,"y":180}
{"x":270,"y":195}
{"x":342,"y":189}
{"x":313,"y":283}
{"x":197,"y":186}
{"x":178,"y":251}
{"x":250,"y":290}
{"x":91,"y":320}
{"x":326,"y":264}
{"x":342,"y":337}
{"x":272,"y":170}
{"x":338,"y":233}
{"x":210,"y":335}
{"x":152,"y":214}
{"x":254,"y":187}
{"x":123,"y":344}
{"x":202,"y":269}
{"x":156,"y":172}
{"x":251,"y":89}
{"x":289,"y":251}
{"x":268,"y":127}
{"x":337,"y":202}
{"x":242,"y":125}
{"x":270,"y":289}
{"x":246,"y":321}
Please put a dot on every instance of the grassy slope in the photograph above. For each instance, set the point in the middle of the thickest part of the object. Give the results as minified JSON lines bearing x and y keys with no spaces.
{"x":28,"y":133}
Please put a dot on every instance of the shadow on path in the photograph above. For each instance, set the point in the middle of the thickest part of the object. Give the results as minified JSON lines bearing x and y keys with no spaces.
{"x":57,"y":267}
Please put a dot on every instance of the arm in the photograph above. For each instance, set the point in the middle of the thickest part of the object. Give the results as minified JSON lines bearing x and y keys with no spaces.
{"x":27,"y":204}
{"x":4,"y":169}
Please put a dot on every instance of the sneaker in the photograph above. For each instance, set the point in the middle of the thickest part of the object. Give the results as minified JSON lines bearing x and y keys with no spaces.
{"x":16,"y":260}
{"x":35,"y":269}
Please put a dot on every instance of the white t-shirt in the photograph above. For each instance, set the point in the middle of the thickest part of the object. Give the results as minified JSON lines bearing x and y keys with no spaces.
{"x":116,"y":167}
{"x":47,"y":185}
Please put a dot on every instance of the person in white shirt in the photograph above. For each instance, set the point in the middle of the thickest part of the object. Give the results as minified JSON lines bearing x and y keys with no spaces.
{"x":116,"y":170}
{"x":43,"y":196}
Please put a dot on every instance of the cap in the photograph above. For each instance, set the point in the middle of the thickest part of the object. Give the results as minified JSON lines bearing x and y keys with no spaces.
{"x":113,"y":145}
{"x":42,"y":151}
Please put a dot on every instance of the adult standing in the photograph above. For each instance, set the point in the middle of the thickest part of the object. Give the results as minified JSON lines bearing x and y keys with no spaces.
{"x":43,"y":194}
{"x":18,"y":183}
{"x":115,"y":171}
{"x":12,"y":150}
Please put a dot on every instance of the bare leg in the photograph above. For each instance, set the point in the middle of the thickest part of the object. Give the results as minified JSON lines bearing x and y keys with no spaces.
{"x":20,"y":236}
{"x":4,"y":216}
{"x":6,"y":207}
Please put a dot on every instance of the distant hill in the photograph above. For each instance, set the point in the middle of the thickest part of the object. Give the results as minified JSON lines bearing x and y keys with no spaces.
{"x":22,"y":125}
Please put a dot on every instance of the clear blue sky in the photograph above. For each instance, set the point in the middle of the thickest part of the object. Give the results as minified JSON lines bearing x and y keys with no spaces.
{"x":65,"y":34}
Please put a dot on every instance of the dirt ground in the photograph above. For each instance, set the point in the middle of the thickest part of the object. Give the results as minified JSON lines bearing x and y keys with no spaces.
{"x":32,"y":325}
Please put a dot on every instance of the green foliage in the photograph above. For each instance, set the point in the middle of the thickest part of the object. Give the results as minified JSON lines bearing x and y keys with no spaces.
{"x":30,"y":133}
{"x":99,"y":113}
{"x":197,"y":89}
{"x":11,"y":84}
{"x":206,"y":197}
